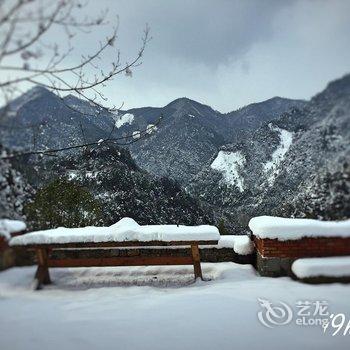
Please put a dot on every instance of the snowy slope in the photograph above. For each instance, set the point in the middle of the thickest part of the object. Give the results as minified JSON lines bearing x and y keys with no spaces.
{"x":123,"y":119}
{"x":272,"y":167}
{"x":229,"y":164}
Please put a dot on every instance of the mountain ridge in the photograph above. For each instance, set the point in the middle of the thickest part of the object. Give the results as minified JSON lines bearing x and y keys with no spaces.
{"x":270,"y":157}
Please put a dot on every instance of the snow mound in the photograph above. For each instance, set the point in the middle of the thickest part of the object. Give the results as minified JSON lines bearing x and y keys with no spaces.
{"x":272,"y":167}
{"x":291,"y":229}
{"x":228,"y":163}
{"x":124,"y":230}
{"x":151,"y":128}
{"x":136,"y":135}
{"x":7,"y":227}
{"x":126,"y":118}
{"x":126,"y":223}
{"x":241,"y":245}
{"x":338,"y":266}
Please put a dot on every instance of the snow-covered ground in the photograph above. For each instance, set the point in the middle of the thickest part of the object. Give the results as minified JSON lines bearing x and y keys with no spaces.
{"x":160,"y":308}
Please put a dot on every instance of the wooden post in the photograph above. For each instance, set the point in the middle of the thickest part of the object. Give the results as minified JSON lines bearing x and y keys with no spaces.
{"x":196,"y":261}
{"x":42,"y":275}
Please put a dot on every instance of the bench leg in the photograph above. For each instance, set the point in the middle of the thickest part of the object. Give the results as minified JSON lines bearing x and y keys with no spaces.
{"x":42,"y":275}
{"x":196,"y":262}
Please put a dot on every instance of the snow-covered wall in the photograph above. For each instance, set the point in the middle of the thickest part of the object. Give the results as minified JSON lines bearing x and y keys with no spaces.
{"x":285,"y":229}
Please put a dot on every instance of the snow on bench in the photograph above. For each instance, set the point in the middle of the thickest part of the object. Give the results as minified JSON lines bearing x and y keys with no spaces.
{"x":8,"y":227}
{"x":241,"y":245}
{"x":292,"y":229}
{"x":125,"y":230}
{"x":125,"y":233}
{"x":322,"y":267}
{"x":129,"y":230}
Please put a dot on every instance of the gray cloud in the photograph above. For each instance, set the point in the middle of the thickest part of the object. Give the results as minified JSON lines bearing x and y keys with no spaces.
{"x":231,"y":53}
{"x":226,"y":53}
{"x":201,"y":31}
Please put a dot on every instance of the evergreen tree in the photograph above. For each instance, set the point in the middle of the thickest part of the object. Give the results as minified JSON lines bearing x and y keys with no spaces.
{"x":63,"y":203}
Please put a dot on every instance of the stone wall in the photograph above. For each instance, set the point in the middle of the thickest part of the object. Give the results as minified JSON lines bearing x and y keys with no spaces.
{"x":273,"y":266}
{"x":274,"y":257}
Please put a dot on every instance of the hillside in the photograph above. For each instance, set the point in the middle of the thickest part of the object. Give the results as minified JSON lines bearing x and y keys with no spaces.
{"x":298,"y":164}
{"x":107,"y":180}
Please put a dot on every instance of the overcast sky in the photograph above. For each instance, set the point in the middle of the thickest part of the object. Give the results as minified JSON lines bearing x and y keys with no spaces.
{"x":227,"y":53}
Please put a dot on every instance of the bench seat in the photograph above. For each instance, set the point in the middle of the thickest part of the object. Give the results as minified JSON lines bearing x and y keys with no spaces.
{"x":126,"y":233}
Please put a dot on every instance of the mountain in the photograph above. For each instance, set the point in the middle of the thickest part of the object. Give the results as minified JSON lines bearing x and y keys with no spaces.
{"x":187,"y":138}
{"x":297,"y":164}
{"x":191,"y":133}
{"x":316,"y":168}
{"x":280,"y":157}
{"x":40,"y":119}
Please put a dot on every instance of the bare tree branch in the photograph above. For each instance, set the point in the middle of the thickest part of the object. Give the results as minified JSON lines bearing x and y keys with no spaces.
{"x":119,"y":141}
{"x":24,"y":26}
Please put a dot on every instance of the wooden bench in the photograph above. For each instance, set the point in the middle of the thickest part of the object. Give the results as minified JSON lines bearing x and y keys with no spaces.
{"x":43,"y":251}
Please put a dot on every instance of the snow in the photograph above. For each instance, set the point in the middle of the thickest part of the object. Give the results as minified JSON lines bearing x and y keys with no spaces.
{"x":7,"y":227}
{"x":228,"y":163}
{"x":136,"y":135}
{"x":72,"y":175}
{"x":272,"y":167}
{"x":121,"y":120}
{"x":241,"y":245}
{"x":157,"y":308}
{"x":151,"y":128}
{"x":126,"y":229}
{"x":338,"y":266}
{"x":291,"y":229}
